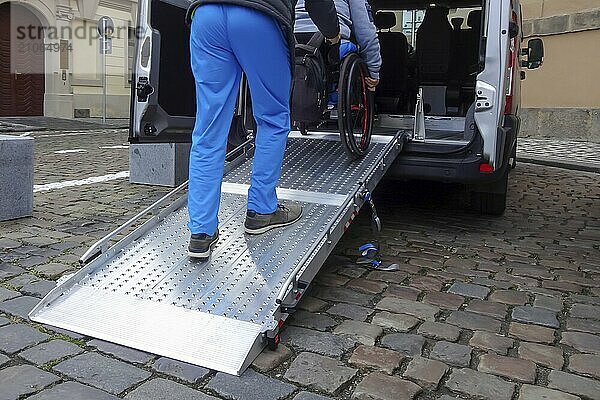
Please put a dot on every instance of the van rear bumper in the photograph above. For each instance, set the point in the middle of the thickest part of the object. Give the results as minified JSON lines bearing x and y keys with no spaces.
{"x":451,"y":170}
{"x":456,"y":167}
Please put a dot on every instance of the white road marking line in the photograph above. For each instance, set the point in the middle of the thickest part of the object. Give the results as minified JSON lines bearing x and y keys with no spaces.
{"x":70,"y":151}
{"x":81,"y":182}
{"x":80,"y":133}
{"x":119,"y":146}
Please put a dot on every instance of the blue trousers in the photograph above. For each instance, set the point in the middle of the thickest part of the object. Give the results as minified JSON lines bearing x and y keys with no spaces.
{"x":346,"y":47}
{"x":226,"y":40}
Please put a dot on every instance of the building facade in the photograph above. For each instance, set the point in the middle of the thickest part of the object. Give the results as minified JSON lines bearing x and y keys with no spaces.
{"x":59,"y":73}
{"x":51,"y":61}
{"x":562,"y":99}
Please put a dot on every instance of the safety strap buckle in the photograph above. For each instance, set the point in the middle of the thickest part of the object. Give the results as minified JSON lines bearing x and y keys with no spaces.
{"x":375,"y":221}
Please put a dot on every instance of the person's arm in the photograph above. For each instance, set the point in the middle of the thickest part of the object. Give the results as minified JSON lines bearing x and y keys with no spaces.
{"x":323,"y":14}
{"x":366,"y":35}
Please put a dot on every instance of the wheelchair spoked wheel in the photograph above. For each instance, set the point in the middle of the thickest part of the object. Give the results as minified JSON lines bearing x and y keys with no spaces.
{"x":355,"y":107}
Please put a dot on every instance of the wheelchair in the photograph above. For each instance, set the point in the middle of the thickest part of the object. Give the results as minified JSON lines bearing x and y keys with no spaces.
{"x":354,"y":109}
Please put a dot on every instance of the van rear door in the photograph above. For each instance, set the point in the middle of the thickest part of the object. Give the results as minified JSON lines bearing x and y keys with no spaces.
{"x":491,"y":82}
{"x":163,"y":94}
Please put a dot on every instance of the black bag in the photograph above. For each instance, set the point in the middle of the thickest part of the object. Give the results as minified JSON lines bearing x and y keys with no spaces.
{"x":309,"y":87}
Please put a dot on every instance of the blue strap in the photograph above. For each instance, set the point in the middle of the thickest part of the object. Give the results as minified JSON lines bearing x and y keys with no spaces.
{"x":367,"y":246}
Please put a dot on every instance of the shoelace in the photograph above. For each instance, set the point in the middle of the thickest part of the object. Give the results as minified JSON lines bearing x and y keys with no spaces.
{"x":283,"y":208}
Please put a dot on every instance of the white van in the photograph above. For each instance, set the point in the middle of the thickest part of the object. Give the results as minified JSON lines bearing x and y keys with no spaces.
{"x":451,"y":75}
{"x":452,"y":71}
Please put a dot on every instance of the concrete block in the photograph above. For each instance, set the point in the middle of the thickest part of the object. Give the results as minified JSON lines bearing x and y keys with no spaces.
{"x":16,"y":177}
{"x":161,"y":164}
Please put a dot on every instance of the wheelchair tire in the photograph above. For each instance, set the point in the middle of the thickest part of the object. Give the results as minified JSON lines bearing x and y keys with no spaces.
{"x":355,"y":107}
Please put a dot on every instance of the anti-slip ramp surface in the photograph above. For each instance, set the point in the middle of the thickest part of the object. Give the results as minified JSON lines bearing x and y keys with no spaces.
{"x":146,"y":293}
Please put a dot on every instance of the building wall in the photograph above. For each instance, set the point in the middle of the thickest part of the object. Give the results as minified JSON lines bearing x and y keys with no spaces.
{"x":564,"y":89}
{"x":569,"y":76}
{"x":562,"y":98}
{"x":547,"y":8}
{"x":76,"y":87}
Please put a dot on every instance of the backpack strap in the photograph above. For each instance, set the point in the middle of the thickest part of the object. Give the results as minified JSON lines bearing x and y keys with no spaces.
{"x":316,"y":40}
{"x":313,"y":44}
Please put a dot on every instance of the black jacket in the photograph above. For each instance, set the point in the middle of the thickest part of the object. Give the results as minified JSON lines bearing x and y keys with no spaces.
{"x":322,"y":12}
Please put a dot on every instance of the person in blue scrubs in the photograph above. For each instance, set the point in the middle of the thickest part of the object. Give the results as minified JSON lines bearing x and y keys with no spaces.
{"x":228,"y":38}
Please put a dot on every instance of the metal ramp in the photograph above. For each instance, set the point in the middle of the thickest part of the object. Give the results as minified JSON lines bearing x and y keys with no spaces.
{"x":144,"y":292}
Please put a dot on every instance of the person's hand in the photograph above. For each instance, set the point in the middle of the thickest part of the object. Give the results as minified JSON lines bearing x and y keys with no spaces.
{"x":371,"y":83}
{"x":335,"y":40}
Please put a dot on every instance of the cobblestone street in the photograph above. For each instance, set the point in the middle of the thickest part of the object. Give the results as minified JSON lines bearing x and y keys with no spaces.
{"x":482,"y":308}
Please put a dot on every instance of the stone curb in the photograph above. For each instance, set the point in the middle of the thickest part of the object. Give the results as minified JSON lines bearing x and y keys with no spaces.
{"x":570,"y":165}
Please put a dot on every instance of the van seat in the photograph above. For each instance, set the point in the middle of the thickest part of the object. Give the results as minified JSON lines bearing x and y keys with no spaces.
{"x":434,"y":38}
{"x":473,"y":37}
{"x":394,"y":69}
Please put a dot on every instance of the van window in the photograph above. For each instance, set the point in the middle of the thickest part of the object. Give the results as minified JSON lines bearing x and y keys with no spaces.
{"x":409,"y":21}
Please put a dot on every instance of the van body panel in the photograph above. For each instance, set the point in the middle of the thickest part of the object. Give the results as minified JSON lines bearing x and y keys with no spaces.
{"x":163,"y":93}
{"x":491,"y":82}
{"x":459,"y":166}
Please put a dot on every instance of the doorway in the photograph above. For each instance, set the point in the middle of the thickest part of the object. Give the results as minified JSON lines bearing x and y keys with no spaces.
{"x":22,"y":80}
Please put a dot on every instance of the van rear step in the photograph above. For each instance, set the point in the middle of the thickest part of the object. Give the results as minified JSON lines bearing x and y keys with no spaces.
{"x":144,"y":292}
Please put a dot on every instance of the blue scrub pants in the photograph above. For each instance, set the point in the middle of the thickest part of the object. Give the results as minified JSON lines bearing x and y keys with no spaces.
{"x":226,"y":40}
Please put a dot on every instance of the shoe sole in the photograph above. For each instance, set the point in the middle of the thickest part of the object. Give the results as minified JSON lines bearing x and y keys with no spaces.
{"x":204,"y":254}
{"x":264,"y":229}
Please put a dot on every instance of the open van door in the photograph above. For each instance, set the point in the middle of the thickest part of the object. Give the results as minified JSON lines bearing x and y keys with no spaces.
{"x":163,"y":94}
{"x":163,"y":102}
{"x":492,"y":81}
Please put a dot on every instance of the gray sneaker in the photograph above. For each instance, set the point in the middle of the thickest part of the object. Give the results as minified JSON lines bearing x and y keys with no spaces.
{"x":284,"y":215}
{"x":201,"y":244}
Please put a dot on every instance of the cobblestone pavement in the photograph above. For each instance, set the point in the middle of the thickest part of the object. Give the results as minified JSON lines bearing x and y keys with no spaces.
{"x":24,"y":124}
{"x":571,"y":154}
{"x":482,"y":308}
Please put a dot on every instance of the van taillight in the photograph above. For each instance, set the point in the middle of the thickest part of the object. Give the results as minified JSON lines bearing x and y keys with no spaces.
{"x":486,"y":168}
{"x":512,"y":62}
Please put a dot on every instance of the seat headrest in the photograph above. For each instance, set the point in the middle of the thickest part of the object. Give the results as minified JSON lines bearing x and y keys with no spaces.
{"x":436,"y":12}
{"x":385,"y":20}
{"x":474,"y":19}
{"x":457,"y":22}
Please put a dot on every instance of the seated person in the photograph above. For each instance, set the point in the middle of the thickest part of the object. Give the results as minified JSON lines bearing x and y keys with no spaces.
{"x":355,"y":17}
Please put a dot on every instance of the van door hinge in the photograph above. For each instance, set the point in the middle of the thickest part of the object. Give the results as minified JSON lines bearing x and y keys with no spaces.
{"x":485,"y":96}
